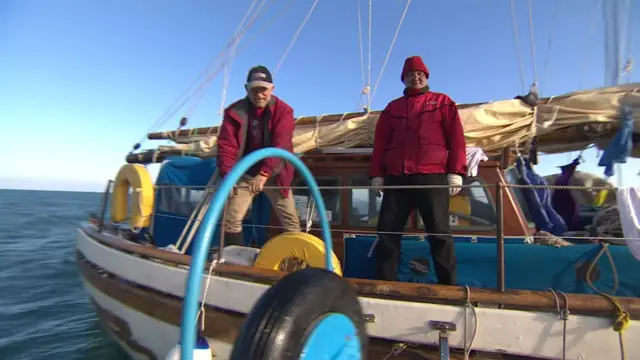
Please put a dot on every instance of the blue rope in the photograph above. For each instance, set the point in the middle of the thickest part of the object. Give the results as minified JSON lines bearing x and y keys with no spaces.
{"x":205,"y":235}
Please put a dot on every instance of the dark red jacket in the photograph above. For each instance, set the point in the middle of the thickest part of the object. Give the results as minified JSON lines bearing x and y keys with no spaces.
{"x":419,"y":134}
{"x":233,"y":135}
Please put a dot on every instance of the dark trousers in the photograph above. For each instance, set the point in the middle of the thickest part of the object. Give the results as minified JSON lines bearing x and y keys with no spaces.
{"x":433,"y":206}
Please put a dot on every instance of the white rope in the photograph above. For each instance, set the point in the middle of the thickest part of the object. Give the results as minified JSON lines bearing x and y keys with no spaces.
{"x":517,"y":42}
{"x":202,"y":312}
{"x":295,"y":37}
{"x":384,"y":64}
{"x":467,"y":306}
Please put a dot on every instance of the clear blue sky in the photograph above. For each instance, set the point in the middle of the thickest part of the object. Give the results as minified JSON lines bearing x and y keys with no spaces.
{"x":82,"y":81}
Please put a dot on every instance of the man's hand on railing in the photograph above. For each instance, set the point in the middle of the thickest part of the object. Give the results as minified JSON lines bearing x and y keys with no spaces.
{"x":455,"y":181}
{"x":377,"y":183}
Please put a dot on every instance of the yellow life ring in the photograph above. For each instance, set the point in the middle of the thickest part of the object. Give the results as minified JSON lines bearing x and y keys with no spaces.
{"x":137,"y":177}
{"x":299,"y":245}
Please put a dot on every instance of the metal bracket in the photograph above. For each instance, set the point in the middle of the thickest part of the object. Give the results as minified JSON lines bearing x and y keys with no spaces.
{"x":443,"y":327}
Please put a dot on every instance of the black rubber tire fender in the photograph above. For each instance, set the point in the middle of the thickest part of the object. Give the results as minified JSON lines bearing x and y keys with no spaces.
{"x":283,"y":318}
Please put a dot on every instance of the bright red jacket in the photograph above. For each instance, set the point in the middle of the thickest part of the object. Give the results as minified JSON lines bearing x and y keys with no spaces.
{"x":232,"y":137}
{"x":419,"y":134}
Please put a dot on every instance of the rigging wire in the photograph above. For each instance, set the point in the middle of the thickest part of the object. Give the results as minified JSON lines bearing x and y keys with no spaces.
{"x":227,"y":67}
{"x":611,"y":47}
{"x":532,"y":44}
{"x":200,"y":91}
{"x":517,"y":42}
{"x":369,"y":66}
{"x":260,"y":30}
{"x":238,"y":51}
{"x":629,"y":43}
{"x":587,"y":37}
{"x":366,"y":89}
{"x":360,"y":43}
{"x":384,"y":64}
{"x":166,"y":115}
{"x":295,"y":37}
{"x":545,"y":65}
{"x":176,"y":105}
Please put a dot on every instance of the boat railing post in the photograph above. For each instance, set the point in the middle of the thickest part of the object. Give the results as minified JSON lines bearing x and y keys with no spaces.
{"x":500,"y":235}
{"x":103,"y":205}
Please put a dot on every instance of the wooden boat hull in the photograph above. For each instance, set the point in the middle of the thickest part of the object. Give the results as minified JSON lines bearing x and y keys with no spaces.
{"x":139,"y":301}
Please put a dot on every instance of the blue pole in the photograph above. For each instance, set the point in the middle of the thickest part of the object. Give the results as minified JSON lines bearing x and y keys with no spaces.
{"x":205,"y":235}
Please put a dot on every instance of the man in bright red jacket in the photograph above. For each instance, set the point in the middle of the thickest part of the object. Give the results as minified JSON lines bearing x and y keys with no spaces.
{"x":419,"y":140}
{"x":257,"y":121}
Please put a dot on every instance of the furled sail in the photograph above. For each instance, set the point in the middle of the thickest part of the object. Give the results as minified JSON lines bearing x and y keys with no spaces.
{"x":564,"y":123}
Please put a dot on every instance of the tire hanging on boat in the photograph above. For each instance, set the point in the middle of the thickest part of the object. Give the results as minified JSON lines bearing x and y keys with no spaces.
{"x":310,"y":313}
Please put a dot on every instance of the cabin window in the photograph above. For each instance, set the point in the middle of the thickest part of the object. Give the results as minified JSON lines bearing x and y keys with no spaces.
{"x":472,"y":208}
{"x":512,"y":176}
{"x":365,"y":205}
{"x":175,"y":200}
{"x":182,"y":201}
{"x":305,"y":204}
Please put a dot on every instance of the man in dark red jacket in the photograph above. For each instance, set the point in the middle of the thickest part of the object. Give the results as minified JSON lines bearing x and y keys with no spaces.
{"x":419,"y":140}
{"x":257,"y":121}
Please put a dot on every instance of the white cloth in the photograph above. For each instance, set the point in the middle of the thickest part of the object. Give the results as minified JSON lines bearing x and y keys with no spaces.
{"x":474,"y":156}
{"x":455,"y":180}
{"x":629,"y":210}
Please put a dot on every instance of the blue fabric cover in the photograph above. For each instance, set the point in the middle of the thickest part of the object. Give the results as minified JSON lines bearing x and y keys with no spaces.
{"x":562,"y":199}
{"x":527,"y":267}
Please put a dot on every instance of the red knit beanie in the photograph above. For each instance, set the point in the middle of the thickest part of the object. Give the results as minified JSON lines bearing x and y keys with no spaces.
{"x":414,"y":63}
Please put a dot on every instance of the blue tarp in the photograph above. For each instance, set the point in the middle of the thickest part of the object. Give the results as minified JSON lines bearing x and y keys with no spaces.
{"x":174,"y":205}
{"x":527,"y":267}
{"x":539,"y":200}
{"x":562,"y":199}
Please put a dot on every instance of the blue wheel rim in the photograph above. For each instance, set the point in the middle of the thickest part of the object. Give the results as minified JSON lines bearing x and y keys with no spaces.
{"x":334,"y":337}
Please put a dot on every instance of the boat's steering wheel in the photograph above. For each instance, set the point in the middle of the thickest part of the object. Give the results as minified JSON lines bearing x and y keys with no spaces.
{"x":205,"y":235}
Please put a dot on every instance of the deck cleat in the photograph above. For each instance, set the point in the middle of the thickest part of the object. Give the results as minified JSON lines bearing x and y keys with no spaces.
{"x":444,"y":328}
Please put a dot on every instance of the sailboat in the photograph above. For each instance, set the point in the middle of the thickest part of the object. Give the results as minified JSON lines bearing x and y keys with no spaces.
{"x":580,"y":302}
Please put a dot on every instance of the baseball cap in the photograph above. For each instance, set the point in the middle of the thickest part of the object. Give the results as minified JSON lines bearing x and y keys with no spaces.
{"x":259,"y":76}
